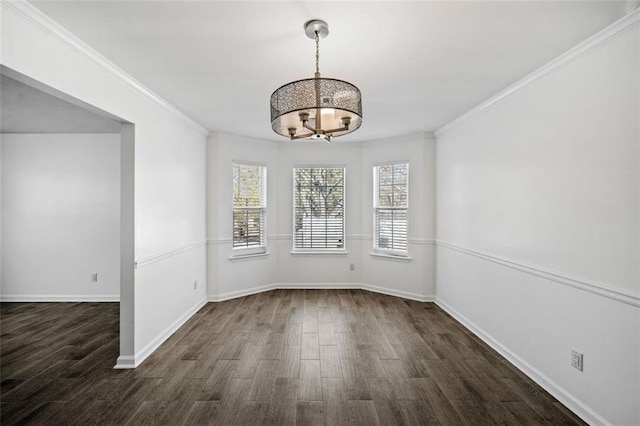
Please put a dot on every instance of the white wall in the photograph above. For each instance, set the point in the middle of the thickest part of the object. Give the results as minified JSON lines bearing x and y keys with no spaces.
{"x":538,"y":227}
{"x":412,"y":278}
{"x":61,"y":217}
{"x":332,"y":269}
{"x":169,"y":174}
{"x":227,"y":277}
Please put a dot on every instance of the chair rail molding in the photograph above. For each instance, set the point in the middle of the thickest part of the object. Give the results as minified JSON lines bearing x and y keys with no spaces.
{"x":600,"y":289}
{"x":148,"y":260}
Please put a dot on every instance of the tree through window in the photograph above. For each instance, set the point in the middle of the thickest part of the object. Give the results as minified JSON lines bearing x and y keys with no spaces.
{"x":318,"y":208}
{"x":249,"y":208}
{"x":391,"y":201}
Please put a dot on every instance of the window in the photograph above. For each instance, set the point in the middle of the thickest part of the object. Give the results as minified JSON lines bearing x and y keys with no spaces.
{"x":318,"y":194}
{"x":391,"y":197}
{"x":249,"y":208}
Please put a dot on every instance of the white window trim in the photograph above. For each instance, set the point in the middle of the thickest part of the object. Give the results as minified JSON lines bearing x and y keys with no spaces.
{"x":386,"y":255}
{"x":254,"y":251}
{"x":248,"y":256}
{"x":321,"y":251}
{"x":383,"y":252}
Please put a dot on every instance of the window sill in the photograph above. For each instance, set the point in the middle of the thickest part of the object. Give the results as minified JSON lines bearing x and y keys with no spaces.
{"x":240,"y":257}
{"x":323,"y":252}
{"x":392,"y":257}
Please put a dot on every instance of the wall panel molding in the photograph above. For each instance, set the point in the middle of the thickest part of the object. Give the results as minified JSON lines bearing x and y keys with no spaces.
{"x":600,"y":289}
{"x":619,"y":28}
{"x":33,"y":16}
{"x":148,"y":260}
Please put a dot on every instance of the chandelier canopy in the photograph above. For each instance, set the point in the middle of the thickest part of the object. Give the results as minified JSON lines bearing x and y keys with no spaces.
{"x":316,"y":108}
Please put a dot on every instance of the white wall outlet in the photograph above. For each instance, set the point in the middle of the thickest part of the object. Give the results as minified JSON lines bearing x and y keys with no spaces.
{"x":576,"y":359}
{"x":195,"y":285}
{"x":352,"y":267}
{"x":94,"y":277}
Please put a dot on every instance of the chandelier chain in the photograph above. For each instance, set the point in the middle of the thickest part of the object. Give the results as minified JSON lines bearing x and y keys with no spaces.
{"x":317,"y":53}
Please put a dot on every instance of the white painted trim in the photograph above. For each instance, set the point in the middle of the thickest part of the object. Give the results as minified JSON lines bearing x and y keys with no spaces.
{"x":356,"y":237}
{"x":125,"y":362}
{"x":31,"y":298}
{"x":320,"y":286}
{"x":398,"y":293}
{"x":600,"y":289}
{"x":42,"y":22}
{"x":392,"y":257}
{"x":416,"y":241}
{"x":558,"y":392}
{"x":590,"y":45}
{"x":422,"y":242}
{"x":241,"y":257}
{"x":144,"y":353}
{"x":321,"y":252}
{"x":240,"y":293}
{"x":146,"y":261}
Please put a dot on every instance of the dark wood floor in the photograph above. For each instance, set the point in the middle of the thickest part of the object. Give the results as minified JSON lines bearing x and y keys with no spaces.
{"x":283,"y":357}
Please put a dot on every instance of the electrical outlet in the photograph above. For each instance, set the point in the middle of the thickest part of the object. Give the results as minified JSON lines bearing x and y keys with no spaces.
{"x":94,"y":277}
{"x":352,"y":267}
{"x":576,"y":359}
{"x":195,"y":285}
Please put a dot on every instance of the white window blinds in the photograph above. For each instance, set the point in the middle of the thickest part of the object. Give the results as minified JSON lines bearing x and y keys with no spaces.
{"x":391,"y":200}
{"x":249,"y":207}
{"x":318,"y":214}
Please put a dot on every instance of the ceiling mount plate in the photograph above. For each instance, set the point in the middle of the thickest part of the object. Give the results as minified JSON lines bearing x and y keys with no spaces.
{"x":316,"y":25}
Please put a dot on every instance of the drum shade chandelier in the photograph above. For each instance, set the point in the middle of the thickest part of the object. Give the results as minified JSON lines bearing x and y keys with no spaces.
{"x":316,"y":108}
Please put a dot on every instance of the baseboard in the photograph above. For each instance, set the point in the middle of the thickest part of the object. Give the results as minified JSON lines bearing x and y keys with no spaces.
{"x":125,"y":362}
{"x":320,"y":286}
{"x":59,"y":298}
{"x":240,"y":293}
{"x":141,"y":355}
{"x":558,"y":392}
{"x":398,"y":293}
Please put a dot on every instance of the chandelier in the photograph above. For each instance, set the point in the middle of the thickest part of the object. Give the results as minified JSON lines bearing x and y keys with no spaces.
{"x":316,"y":108}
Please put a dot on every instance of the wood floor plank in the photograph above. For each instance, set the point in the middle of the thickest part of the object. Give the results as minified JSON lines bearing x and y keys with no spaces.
{"x":326,"y":334}
{"x":363,"y":413}
{"x":309,"y":413}
{"x":264,"y":381}
{"x":330,"y":362}
{"x":310,"y":385}
{"x":283,"y":402}
{"x":334,"y":402}
{"x":283,"y":357}
{"x":310,"y":348}
{"x":201,"y":413}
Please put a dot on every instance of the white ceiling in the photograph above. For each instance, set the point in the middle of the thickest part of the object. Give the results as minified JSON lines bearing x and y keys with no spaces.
{"x":25,"y":109}
{"x":418,"y":64}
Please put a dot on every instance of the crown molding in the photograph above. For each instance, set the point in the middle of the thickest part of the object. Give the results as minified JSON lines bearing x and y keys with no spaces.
{"x":34,"y":17}
{"x":605,"y":36}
